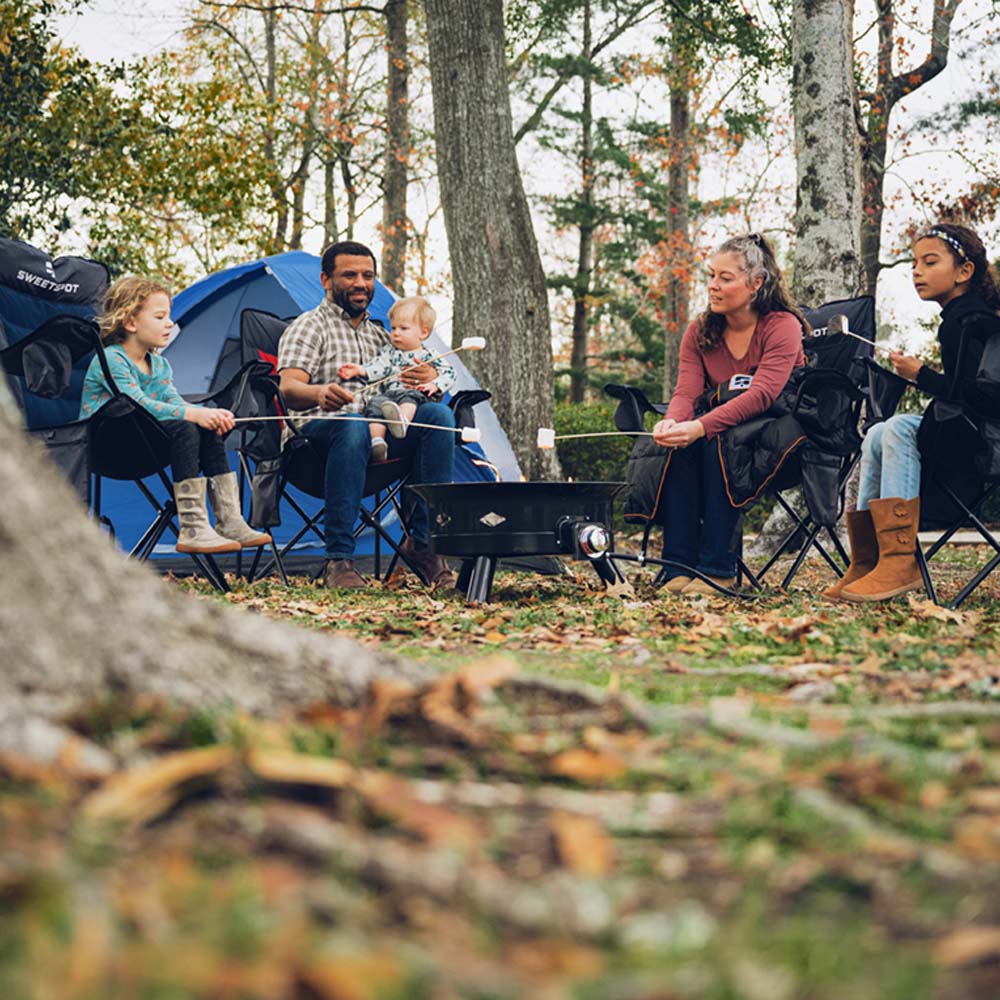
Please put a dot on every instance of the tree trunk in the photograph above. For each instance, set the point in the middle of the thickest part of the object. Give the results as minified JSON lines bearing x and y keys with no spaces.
{"x":678,"y":181}
{"x":329,"y":203}
{"x":889,"y":89}
{"x":397,"y":153}
{"x":828,"y":194}
{"x":81,"y":622}
{"x":500,"y":289}
{"x":584,"y":264}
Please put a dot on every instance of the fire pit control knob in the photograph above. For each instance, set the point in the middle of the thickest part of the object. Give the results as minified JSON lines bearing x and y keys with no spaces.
{"x":593,"y":540}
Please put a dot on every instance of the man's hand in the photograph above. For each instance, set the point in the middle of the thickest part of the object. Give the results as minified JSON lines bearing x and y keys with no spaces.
{"x":332,"y":396}
{"x":350,"y":371}
{"x":220,"y":421}
{"x":413,"y":378}
{"x":671,"y":434}
{"x":905,"y":366}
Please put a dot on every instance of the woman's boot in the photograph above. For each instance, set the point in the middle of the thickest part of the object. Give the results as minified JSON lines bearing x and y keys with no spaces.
{"x":864,"y":550}
{"x":897,"y":571}
{"x":224,"y":493}
{"x":196,"y":534}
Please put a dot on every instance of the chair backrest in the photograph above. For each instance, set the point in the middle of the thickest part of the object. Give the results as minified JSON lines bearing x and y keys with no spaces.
{"x":827,"y":347}
{"x":34,"y":290}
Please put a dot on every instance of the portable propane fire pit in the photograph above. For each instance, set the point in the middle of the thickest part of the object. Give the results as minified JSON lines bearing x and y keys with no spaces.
{"x":481,"y":523}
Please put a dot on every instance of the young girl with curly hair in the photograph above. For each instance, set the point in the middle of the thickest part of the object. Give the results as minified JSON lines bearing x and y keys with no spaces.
{"x":136,"y":324}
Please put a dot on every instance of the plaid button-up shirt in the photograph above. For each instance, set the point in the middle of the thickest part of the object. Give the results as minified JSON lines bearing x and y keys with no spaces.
{"x":323,"y":339}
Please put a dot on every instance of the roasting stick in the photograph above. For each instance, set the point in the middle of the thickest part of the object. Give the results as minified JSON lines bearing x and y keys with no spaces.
{"x":547,"y":436}
{"x":865,"y":340}
{"x":838,"y":324}
{"x":468,"y":344}
{"x":469,"y":434}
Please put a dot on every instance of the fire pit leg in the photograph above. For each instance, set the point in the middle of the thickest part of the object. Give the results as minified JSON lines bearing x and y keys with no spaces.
{"x":480,"y":579}
{"x":614,"y":580}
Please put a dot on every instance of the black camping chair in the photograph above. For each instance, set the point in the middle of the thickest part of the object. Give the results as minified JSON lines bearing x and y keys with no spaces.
{"x":952,"y":424}
{"x":121,"y":441}
{"x":842,"y":389}
{"x":272,"y":469}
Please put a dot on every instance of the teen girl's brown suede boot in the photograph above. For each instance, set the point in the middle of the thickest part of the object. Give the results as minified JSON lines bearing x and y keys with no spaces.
{"x":897,"y":571}
{"x":864,"y":551}
{"x":196,"y":534}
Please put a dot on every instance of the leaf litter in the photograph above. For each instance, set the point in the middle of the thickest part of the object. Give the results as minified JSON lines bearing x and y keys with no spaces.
{"x":684,"y":822}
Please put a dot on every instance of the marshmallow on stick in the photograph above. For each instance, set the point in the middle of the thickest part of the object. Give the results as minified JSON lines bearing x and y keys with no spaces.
{"x":468,"y":344}
{"x":547,"y":437}
{"x":471,"y":435}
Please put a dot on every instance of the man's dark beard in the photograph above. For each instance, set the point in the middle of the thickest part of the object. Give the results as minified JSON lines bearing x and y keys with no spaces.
{"x":342,"y":299}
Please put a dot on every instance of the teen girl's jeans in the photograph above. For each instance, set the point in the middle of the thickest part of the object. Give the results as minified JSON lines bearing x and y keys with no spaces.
{"x":346,"y":442}
{"x":194,"y":449}
{"x":890,"y":460}
{"x":699,"y":523}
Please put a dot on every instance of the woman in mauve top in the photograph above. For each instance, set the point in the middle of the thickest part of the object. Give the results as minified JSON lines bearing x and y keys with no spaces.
{"x":750,"y":327}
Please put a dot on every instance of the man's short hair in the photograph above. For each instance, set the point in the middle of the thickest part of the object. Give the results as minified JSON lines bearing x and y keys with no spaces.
{"x":345,"y":248}
{"x":419,"y":308}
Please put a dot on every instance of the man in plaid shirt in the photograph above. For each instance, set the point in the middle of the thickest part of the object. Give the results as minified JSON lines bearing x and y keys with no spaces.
{"x":339,"y":331}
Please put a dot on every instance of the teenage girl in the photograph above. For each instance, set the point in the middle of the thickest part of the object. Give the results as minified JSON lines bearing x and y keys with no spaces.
{"x":950,"y":267}
{"x":135,"y":325}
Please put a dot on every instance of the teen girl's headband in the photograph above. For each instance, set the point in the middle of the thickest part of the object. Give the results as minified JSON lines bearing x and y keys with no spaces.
{"x":949,"y":239}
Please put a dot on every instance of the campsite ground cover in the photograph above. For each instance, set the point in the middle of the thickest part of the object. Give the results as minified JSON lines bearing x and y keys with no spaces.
{"x":588,"y":798}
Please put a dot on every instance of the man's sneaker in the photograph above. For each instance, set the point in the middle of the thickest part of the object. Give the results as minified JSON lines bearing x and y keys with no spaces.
{"x":394,"y":419}
{"x":380,"y":450}
{"x":340,"y":574}
{"x":436,"y":571}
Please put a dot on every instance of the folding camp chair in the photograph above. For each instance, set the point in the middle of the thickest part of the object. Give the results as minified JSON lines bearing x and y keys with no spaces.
{"x":956,"y":424}
{"x":273,"y":469}
{"x":843,"y":381}
{"x":121,"y":441}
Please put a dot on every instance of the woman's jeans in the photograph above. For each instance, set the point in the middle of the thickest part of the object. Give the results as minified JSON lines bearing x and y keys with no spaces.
{"x":194,"y":449}
{"x":347,"y":444}
{"x":699,"y":523}
{"x":890,"y":460}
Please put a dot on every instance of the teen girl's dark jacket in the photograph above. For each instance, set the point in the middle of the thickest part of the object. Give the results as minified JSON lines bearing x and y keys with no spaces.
{"x":964,"y":410}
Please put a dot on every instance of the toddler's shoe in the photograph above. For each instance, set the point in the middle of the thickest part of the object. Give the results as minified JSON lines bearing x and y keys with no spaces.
{"x":380,"y":450}
{"x":394,"y":419}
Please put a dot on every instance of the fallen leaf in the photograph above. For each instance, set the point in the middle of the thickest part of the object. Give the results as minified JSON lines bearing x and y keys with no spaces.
{"x":582,"y":844}
{"x":142,"y":793}
{"x":300,"y":769}
{"x":587,"y":765}
{"x":968,"y":946}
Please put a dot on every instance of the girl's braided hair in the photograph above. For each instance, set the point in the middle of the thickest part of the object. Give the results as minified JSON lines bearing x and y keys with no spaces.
{"x":772,"y":296}
{"x":965,"y":245}
{"x":122,"y":302}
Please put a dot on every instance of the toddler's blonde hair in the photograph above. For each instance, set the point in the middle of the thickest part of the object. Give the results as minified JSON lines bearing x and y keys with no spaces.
{"x":122,"y":302}
{"x":420,"y":308}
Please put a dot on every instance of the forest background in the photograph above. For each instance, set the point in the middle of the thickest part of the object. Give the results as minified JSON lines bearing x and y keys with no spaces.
{"x":182,"y":140}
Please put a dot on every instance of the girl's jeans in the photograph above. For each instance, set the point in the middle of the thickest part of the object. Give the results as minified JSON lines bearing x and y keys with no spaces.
{"x":890,"y":461}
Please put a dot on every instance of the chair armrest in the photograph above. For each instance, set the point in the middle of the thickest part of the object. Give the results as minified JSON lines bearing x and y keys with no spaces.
{"x":633,"y":405}
{"x":463,"y":402}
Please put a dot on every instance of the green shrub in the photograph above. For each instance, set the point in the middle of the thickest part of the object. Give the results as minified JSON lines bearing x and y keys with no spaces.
{"x":591,"y":459}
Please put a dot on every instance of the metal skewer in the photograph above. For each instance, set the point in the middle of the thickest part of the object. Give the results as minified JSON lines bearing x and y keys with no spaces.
{"x":469,"y":434}
{"x":468,"y":344}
